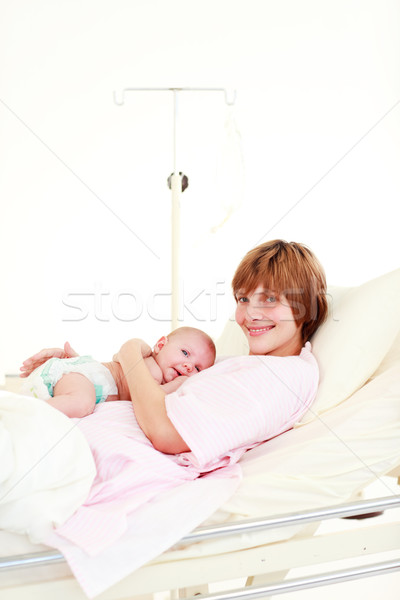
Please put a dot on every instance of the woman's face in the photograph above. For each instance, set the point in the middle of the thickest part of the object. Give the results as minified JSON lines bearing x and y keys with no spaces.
{"x":268,"y":323}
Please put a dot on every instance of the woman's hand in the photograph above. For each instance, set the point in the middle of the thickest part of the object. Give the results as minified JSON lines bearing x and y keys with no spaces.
{"x":33,"y":362}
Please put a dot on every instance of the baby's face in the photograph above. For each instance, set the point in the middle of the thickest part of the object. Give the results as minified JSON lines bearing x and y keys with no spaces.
{"x":183,"y":354}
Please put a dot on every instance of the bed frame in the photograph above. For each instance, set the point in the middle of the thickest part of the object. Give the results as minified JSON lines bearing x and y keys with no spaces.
{"x":262,"y":567}
{"x":258,"y":565}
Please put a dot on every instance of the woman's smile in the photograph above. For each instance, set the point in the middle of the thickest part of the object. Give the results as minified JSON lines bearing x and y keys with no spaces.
{"x":253,"y":331}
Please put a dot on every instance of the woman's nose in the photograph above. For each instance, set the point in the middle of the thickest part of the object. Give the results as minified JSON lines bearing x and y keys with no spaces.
{"x":253,"y":311}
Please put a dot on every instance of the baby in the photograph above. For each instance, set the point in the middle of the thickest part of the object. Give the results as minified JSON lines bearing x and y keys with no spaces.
{"x":75,"y":385}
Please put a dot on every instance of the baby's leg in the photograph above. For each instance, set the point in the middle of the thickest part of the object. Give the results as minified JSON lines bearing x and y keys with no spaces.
{"x":74,"y":395}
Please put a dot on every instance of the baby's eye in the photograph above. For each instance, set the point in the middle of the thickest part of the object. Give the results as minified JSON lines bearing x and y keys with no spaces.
{"x":185,"y":352}
{"x":197,"y":369}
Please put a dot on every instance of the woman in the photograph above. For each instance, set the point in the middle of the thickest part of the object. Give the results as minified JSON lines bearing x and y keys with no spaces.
{"x":280,"y":291}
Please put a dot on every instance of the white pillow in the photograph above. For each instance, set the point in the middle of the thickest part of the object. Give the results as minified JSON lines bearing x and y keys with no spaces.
{"x":392,"y":357}
{"x":232,"y":341}
{"x":361,"y":328}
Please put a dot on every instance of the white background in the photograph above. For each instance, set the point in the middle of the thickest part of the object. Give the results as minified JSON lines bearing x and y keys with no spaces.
{"x":309,"y":152}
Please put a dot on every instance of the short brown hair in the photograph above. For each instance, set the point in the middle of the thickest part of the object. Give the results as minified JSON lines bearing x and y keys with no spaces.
{"x":291,"y":270}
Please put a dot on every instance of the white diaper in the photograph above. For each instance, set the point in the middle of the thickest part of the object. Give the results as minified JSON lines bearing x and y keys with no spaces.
{"x":41,"y":382}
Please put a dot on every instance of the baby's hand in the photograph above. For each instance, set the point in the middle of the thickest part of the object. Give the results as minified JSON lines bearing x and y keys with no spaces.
{"x":33,"y":362}
{"x":132,"y":345}
{"x":173,"y":385}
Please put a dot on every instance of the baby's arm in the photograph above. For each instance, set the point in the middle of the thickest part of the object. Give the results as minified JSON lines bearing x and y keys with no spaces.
{"x":120,"y":379}
{"x":173,"y":385}
{"x":156,"y":372}
{"x":154,"y":369}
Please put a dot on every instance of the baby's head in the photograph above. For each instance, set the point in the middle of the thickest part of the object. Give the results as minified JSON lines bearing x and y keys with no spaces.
{"x":185,"y":351}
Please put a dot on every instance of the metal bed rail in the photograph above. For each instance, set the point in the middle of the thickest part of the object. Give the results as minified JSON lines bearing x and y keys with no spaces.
{"x":247,"y":526}
{"x":303,"y":583}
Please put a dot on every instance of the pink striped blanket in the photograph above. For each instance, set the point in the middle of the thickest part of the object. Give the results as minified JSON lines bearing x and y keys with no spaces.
{"x":222,"y":412}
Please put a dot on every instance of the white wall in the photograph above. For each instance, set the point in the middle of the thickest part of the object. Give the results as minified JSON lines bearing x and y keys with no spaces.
{"x":85,"y":207}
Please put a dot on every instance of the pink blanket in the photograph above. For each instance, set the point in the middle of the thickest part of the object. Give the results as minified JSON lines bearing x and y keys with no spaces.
{"x":138,"y":506}
{"x":142,"y":501}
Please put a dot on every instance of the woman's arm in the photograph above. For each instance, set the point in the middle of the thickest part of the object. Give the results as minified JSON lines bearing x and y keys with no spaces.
{"x":148,"y":399}
{"x":31,"y":363}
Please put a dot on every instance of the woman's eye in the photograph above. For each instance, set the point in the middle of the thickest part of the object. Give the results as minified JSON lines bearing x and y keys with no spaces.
{"x":241,"y":299}
{"x":271,"y":299}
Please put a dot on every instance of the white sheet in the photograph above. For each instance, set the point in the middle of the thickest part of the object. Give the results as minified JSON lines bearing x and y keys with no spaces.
{"x":46,"y":467}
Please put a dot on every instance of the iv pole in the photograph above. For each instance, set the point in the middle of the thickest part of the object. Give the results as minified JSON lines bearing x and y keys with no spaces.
{"x":177,"y":182}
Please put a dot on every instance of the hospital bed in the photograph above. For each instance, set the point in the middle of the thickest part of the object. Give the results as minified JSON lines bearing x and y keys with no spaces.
{"x":292,"y":485}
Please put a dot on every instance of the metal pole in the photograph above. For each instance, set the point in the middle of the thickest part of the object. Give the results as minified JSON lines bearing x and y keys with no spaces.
{"x":309,"y":516}
{"x":176,"y":184}
{"x":176,"y":190}
{"x":304,"y":583}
